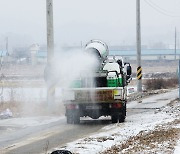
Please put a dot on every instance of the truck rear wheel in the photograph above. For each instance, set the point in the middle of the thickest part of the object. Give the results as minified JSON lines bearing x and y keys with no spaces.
{"x":117,"y":118}
{"x":114,"y":118}
{"x":69,"y":119}
{"x":73,"y":117}
{"x":76,"y":118}
{"x":121,"y":118}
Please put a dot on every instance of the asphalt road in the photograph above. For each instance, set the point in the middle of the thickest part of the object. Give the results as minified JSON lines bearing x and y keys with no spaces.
{"x":42,"y":138}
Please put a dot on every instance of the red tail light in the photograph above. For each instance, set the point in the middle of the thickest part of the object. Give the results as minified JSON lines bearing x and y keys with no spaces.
{"x":116,"y":105}
{"x":72,"y":106}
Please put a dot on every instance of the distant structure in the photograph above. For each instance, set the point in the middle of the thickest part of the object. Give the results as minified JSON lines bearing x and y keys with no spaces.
{"x":38,"y":54}
{"x":34,"y":48}
{"x":3,"y":55}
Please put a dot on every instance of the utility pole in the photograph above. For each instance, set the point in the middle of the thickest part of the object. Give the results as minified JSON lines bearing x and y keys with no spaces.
{"x":50,"y":52}
{"x":81,"y":45}
{"x":7,"y":51}
{"x":175,"y":45}
{"x":138,"y":47}
{"x":7,"y":45}
{"x":179,"y":78}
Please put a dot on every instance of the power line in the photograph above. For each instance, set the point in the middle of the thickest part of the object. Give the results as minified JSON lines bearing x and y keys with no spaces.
{"x":159,"y":9}
{"x":166,"y":11}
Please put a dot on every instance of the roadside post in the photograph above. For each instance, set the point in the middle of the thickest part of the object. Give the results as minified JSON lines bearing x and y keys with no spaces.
{"x":138,"y":44}
{"x":50,"y":52}
{"x":179,"y":78}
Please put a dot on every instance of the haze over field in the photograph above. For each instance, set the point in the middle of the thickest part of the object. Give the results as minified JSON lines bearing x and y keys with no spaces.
{"x":24,"y":21}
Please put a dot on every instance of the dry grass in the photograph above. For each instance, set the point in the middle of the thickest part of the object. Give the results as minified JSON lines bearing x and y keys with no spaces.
{"x":154,"y":84}
{"x":162,"y":139}
{"x":13,"y":106}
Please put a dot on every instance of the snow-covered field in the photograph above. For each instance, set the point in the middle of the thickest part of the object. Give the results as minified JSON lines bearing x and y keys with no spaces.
{"x":155,"y":129}
{"x":35,"y":94}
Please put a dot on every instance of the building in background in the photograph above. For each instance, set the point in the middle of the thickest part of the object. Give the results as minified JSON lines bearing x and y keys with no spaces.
{"x":38,"y":54}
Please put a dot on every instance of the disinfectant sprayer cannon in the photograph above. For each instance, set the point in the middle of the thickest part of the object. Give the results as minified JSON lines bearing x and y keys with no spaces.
{"x":112,"y":65}
{"x":99,"y":49}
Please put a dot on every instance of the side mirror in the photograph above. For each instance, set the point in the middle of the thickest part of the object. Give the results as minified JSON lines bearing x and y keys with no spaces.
{"x":119,"y":62}
{"x":129,"y":70}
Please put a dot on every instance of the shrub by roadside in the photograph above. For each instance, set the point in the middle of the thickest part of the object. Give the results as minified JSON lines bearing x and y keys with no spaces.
{"x":160,"y":83}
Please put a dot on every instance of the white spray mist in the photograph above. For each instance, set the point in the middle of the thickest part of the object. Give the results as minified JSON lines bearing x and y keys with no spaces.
{"x":72,"y":65}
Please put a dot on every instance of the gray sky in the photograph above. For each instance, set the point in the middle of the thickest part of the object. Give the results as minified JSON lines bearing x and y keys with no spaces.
{"x":113,"y":21}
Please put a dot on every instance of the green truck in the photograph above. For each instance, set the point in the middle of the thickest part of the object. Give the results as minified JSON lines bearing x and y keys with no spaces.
{"x":107,"y":96}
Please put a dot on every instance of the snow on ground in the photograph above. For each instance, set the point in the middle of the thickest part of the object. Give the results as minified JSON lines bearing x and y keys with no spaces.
{"x":156,"y":101}
{"x":119,"y":133}
{"x":177,"y":148}
{"x":145,"y":132}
